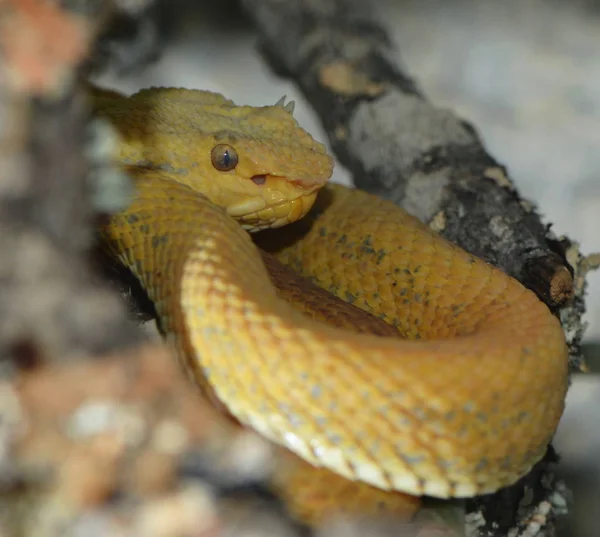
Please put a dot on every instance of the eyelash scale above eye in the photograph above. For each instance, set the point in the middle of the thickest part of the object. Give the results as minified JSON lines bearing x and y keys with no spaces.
{"x":224,"y":157}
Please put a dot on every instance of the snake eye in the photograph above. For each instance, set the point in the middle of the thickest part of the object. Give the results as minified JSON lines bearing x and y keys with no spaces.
{"x":223,"y":157}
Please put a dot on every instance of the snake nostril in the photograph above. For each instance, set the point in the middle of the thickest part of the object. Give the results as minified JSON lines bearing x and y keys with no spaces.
{"x":259,"y":179}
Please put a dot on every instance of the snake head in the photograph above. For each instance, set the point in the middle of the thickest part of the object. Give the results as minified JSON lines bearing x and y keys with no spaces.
{"x":255,"y":162}
{"x":275,"y":167}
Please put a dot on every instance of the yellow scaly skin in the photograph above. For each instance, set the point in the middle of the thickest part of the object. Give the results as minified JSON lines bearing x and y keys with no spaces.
{"x":464,"y":405}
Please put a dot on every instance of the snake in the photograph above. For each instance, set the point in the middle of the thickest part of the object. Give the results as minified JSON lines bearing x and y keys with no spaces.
{"x":389,"y":363}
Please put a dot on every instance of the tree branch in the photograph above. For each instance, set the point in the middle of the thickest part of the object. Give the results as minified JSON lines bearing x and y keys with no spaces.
{"x":401,"y":147}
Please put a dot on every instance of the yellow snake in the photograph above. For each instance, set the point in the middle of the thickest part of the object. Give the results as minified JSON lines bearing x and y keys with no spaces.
{"x":462,"y":401}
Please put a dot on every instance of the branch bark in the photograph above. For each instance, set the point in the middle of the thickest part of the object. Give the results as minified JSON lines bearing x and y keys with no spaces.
{"x":400,"y":146}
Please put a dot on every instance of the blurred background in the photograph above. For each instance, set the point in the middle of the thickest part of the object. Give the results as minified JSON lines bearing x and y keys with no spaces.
{"x":525,"y":72}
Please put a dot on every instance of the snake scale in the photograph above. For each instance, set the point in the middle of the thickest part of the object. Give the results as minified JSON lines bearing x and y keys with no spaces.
{"x":437,"y":375}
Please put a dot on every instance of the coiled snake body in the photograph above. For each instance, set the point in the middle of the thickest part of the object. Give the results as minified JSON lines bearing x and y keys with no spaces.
{"x":464,"y":403}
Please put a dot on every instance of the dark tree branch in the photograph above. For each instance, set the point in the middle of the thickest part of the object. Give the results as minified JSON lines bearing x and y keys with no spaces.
{"x":400,"y":146}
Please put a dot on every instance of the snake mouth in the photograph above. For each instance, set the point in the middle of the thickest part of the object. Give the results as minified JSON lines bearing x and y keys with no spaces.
{"x":272,"y":216}
{"x":274,"y":202}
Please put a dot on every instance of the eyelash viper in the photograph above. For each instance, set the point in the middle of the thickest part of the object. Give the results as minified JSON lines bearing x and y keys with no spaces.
{"x":464,"y":403}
